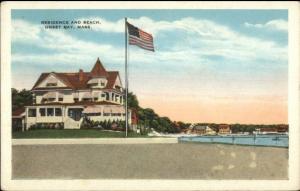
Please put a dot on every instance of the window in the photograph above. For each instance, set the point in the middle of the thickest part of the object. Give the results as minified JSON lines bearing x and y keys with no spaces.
{"x":51,"y":84}
{"x":51,"y":99}
{"x":58,"y":112}
{"x":60,"y":99}
{"x":95,"y":99}
{"x":112,"y":96}
{"x":50,"y":112}
{"x":31,"y":112}
{"x":118,"y":88}
{"x":87,"y":99}
{"x":102,"y":84}
{"x":93,"y":114}
{"x":42,"y":112}
{"x":76,"y":99}
{"x":106,"y":114}
{"x":70,"y":113}
{"x":103,"y":95}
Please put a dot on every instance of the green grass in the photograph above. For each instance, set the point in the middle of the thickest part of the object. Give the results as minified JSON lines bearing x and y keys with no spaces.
{"x":71,"y":133}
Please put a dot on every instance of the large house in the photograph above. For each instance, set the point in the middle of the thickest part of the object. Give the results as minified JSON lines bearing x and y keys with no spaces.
{"x":64,"y":98}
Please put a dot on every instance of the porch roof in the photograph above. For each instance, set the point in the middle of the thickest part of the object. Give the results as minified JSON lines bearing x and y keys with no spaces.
{"x":80,"y":103}
{"x":92,"y":109}
{"x":114,"y":109}
{"x":18,"y":113}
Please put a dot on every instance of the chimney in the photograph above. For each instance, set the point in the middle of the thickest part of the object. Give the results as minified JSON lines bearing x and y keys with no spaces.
{"x":80,"y":75}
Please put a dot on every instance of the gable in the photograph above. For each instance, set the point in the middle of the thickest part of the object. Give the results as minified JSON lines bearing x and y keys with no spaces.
{"x":118,"y":81}
{"x":51,"y":81}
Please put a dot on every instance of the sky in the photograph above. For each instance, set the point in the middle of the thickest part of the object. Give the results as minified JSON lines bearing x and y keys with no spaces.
{"x":221,"y":66}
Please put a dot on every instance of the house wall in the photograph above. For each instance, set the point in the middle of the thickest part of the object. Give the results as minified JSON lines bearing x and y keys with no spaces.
{"x":224,"y":131}
{"x":65,"y":118}
{"x":68,"y":97}
{"x":44,"y":119}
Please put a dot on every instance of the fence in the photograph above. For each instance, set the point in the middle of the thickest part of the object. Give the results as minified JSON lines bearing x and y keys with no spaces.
{"x":256,"y":140}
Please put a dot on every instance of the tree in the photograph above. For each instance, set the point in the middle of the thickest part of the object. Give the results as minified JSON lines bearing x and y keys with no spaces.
{"x":21,"y":98}
{"x":149,"y":119}
{"x":132,"y":101}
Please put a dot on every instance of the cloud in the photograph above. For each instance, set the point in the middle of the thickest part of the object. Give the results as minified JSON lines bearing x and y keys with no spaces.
{"x":62,"y":47}
{"x":200,"y":40}
{"x":203,"y":37}
{"x":193,"y":52}
{"x":279,"y":24}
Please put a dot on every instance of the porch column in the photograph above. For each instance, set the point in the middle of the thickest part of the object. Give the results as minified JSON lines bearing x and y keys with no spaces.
{"x":23,"y":123}
{"x":26,"y":118}
{"x":62,"y":113}
{"x":66,"y":112}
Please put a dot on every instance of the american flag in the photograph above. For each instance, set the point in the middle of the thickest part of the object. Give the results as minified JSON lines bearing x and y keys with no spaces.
{"x":140,"y":38}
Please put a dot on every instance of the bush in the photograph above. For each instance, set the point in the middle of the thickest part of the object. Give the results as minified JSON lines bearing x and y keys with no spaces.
{"x":32,"y":127}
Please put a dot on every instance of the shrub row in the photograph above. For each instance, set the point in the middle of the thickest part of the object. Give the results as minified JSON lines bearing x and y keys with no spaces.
{"x":47,"y":126}
{"x":117,"y":125}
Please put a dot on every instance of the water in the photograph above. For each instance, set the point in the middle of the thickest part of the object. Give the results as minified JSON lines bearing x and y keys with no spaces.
{"x":258,"y":140}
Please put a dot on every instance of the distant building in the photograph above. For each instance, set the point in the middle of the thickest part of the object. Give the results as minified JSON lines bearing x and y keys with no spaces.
{"x":200,"y":130}
{"x":210,"y":131}
{"x":224,"y":129}
{"x":270,"y":130}
{"x":283,"y":129}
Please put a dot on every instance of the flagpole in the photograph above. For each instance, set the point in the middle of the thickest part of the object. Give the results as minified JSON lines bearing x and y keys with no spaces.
{"x":126,"y":80}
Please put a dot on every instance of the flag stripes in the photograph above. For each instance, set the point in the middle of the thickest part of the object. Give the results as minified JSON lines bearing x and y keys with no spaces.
{"x":140,"y":38}
{"x":140,"y":43}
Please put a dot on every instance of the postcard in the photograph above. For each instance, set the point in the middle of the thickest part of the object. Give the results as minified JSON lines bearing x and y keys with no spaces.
{"x":150,"y":96}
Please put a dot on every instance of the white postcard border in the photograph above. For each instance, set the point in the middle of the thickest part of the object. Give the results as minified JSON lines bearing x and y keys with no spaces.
{"x":101,"y":184}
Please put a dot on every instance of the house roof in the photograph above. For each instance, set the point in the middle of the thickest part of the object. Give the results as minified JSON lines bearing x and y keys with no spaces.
{"x":98,"y":70}
{"x":72,"y":80}
{"x":18,"y":112}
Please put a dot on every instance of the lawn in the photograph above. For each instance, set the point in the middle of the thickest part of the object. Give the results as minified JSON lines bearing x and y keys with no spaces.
{"x":71,"y":133}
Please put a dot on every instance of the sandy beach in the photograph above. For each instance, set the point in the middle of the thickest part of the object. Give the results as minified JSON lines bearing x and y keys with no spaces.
{"x":149,"y":161}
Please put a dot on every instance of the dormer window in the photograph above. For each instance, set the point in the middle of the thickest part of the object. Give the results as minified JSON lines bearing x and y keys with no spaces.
{"x":49,"y":97}
{"x":118,"y":88}
{"x":51,"y":84}
{"x":87,"y":96}
{"x":97,"y":82}
{"x":60,"y":97}
{"x":93,"y":82}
